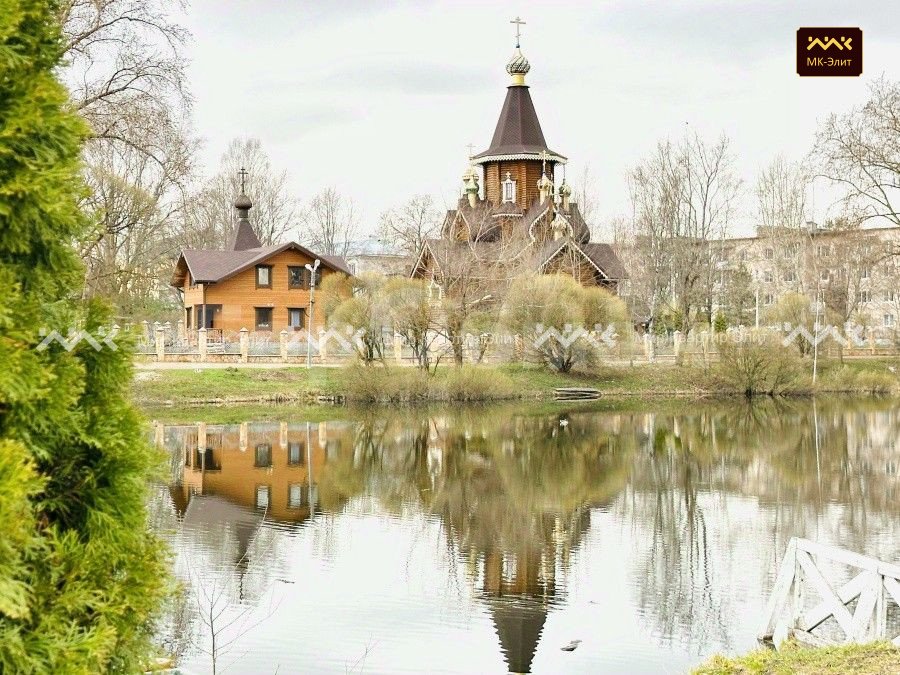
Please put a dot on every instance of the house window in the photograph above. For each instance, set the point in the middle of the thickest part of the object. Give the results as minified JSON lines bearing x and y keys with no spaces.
{"x":264,"y":276}
{"x":262,"y":496}
{"x":889,"y":296}
{"x":263,"y":318}
{"x":296,"y":495}
{"x":187,"y":317}
{"x":824,"y":250}
{"x":770,"y":253}
{"x":768,"y":277}
{"x":888,"y":320}
{"x":790,"y":276}
{"x":768,"y":299}
{"x":794,"y":249}
{"x":296,"y":277}
{"x":865,"y":296}
{"x":263,"y":457}
{"x":864,"y":273}
{"x":509,"y":189}
{"x":296,"y":456}
{"x":296,"y":318}
{"x":824,"y":275}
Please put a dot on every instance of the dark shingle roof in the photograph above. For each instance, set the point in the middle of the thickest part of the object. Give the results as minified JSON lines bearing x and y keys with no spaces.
{"x":213,"y":266}
{"x":518,"y":130}
{"x":601,"y":255}
{"x":244,"y":237}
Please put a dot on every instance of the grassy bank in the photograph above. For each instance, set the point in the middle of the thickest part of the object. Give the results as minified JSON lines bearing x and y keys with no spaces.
{"x":791,"y":659}
{"x":378,"y":384}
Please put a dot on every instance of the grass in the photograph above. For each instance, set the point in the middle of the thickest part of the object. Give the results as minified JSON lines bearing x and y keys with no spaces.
{"x":379,"y":384}
{"x":793,"y":659}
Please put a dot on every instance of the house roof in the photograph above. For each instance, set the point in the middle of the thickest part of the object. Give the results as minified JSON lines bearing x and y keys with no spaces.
{"x":518,"y":132}
{"x":207,"y":266}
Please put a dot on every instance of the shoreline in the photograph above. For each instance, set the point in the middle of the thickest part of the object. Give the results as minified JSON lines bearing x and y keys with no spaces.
{"x":375,"y":387}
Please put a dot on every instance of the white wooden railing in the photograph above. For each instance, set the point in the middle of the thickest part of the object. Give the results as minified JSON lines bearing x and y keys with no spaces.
{"x":874,"y":585}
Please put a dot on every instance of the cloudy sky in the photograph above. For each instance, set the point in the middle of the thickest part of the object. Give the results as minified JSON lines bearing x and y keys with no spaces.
{"x":381,"y":99}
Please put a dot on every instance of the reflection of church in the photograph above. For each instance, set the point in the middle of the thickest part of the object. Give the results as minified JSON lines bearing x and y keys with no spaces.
{"x":517,"y":213}
{"x":515,"y":546}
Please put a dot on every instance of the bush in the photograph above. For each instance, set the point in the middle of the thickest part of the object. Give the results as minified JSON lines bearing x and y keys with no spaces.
{"x":847,"y":379}
{"x":411,"y":385}
{"x":554,"y":314}
{"x":476,"y":384}
{"x":758,"y":364}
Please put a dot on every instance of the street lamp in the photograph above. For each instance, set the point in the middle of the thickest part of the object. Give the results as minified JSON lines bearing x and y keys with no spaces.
{"x":309,"y":321}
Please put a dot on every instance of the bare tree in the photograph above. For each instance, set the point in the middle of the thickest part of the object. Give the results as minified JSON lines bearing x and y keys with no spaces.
{"x":274,"y":215}
{"x":331,"y":224}
{"x":408,"y":226}
{"x":586,"y":196}
{"x":781,"y":219}
{"x":860,"y":151}
{"x":126,"y":70}
{"x":135,"y":202}
{"x":683,"y":196}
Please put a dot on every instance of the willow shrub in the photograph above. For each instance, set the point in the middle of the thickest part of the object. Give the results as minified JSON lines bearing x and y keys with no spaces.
{"x":554,"y":315}
{"x":80,"y":577}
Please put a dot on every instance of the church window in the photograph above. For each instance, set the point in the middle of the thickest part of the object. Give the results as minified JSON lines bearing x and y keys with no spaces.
{"x":509,"y":189}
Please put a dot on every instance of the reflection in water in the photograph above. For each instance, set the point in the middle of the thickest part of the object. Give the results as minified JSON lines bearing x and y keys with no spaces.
{"x":652,"y":536}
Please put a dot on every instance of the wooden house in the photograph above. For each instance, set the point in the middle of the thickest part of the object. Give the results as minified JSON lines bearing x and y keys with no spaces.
{"x":248,"y":285}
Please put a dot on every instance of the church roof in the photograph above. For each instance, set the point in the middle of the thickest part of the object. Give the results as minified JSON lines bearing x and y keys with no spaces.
{"x":518,"y":133}
{"x":452,"y":253}
{"x":244,"y":237}
{"x":600,"y":255}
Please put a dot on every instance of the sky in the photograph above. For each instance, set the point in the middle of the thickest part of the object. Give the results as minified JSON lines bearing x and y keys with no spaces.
{"x":380,"y":100}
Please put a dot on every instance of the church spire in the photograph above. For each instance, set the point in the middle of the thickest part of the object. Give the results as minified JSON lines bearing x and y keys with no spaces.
{"x":244,"y":236}
{"x":518,"y":65}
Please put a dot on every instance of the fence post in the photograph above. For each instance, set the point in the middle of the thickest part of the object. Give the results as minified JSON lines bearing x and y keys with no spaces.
{"x":872,"y":340}
{"x":245,"y":345}
{"x":160,"y":343}
{"x":202,"y":344}
{"x":323,"y":346}
{"x":398,"y":349}
{"x":147,"y":334}
{"x":519,"y":348}
{"x":180,"y":329}
{"x":283,"y":344}
{"x":676,"y":346}
{"x":648,"y":348}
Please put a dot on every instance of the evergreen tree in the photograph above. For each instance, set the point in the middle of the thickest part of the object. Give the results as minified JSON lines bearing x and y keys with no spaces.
{"x":80,"y":576}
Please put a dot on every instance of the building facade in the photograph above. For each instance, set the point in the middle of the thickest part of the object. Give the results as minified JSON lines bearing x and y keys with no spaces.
{"x":248,"y":285}
{"x":850,"y":270}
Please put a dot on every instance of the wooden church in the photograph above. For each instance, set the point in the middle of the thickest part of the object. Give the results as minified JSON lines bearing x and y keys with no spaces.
{"x":514,"y":216}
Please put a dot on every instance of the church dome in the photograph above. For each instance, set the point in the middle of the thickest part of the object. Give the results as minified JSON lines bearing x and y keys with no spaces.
{"x":243,"y":202}
{"x":518,"y":64}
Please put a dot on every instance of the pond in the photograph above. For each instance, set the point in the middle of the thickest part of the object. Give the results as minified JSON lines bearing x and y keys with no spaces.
{"x":454,"y":540}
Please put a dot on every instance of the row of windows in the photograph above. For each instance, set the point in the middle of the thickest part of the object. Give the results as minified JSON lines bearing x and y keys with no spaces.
{"x":297,"y":276}
{"x":296,"y":454}
{"x":296,"y":318}
{"x":299,"y":495}
{"x":824,"y":275}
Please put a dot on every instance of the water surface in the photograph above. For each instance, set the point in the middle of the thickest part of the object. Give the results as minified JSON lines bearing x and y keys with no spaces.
{"x":483,"y":541}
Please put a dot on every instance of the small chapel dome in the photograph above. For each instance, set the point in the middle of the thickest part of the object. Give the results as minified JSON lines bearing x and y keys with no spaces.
{"x":243,"y":202}
{"x":565,"y":190}
{"x":518,"y":64}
